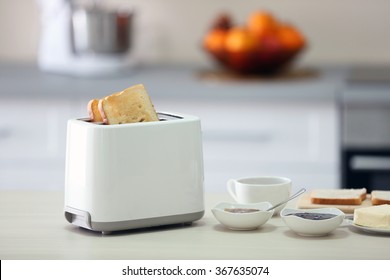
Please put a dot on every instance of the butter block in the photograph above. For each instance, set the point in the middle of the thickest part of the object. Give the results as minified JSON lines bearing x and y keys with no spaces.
{"x":374,"y":216}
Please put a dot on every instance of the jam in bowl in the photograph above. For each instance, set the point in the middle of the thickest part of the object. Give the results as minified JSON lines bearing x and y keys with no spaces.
{"x":312,"y":222}
{"x":238,"y":216}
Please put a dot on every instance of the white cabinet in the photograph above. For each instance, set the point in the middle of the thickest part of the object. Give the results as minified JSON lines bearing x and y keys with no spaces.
{"x":240,"y":138}
{"x":292,"y":139}
{"x":32,"y":142}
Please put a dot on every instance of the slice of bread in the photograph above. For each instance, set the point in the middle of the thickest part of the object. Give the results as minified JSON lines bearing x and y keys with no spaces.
{"x":128,"y":106}
{"x":380,"y":197}
{"x":338,"y":196}
{"x":93,"y":111}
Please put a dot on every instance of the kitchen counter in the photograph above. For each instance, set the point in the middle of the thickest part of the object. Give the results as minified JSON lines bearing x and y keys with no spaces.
{"x":19,"y":81}
{"x":33,"y":227}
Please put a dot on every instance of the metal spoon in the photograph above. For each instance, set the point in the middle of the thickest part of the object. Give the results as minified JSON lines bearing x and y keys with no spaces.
{"x":298,"y":193}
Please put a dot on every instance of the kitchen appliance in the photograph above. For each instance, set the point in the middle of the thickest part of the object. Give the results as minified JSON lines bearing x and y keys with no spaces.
{"x":366,"y":168}
{"x":85,"y":38}
{"x":365,"y":158}
{"x":136,"y":175}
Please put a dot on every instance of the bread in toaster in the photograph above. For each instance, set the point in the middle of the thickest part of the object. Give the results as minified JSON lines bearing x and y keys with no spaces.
{"x":338,"y":196}
{"x":374,"y":216}
{"x":128,"y":106}
{"x":93,"y":111}
{"x":380,"y":197}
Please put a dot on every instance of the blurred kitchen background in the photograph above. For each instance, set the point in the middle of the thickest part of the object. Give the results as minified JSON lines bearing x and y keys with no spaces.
{"x":324,"y":123}
{"x":170,"y":31}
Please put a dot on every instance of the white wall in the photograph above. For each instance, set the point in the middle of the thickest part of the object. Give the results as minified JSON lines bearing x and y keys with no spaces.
{"x":347,"y":31}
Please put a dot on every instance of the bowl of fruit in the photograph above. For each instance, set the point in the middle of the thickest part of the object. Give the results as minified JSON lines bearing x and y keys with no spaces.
{"x":264,"y":45}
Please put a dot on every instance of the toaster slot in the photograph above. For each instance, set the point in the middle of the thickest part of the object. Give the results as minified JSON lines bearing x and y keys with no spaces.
{"x":168,"y":117}
{"x":161,"y":117}
{"x":89,"y":120}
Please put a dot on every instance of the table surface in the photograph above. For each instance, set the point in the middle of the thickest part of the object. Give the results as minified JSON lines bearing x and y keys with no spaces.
{"x":32,"y":226}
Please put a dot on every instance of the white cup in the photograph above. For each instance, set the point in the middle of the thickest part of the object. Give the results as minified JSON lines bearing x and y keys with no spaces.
{"x":259,"y":189}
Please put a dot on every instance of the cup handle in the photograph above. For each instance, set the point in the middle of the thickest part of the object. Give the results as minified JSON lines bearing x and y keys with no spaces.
{"x":231,"y":187}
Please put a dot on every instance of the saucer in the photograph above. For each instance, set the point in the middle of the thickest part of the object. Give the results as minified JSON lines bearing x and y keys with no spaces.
{"x":229,"y":215}
{"x":371,"y":229}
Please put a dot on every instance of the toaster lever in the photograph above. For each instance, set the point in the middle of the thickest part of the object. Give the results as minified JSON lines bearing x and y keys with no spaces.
{"x":78,"y":217}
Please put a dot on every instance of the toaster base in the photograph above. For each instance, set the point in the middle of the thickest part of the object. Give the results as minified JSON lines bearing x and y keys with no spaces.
{"x":83,"y":219}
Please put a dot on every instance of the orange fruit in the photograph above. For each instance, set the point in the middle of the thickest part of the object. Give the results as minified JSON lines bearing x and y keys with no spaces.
{"x":214,"y":42}
{"x":261,"y":23}
{"x":240,"y":46}
{"x":239,"y":39}
{"x":291,"y":38}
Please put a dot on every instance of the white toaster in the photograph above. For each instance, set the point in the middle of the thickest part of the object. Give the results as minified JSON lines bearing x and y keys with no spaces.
{"x":137,"y":175}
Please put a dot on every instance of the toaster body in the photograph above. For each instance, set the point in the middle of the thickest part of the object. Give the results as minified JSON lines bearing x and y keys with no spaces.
{"x":137,"y":175}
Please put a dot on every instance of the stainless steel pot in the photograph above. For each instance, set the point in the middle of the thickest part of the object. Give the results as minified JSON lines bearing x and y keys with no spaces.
{"x":101,"y":31}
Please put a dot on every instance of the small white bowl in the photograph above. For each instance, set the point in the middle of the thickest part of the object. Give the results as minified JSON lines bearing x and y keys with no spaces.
{"x":307,"y":227}
{"x":243,"y":221}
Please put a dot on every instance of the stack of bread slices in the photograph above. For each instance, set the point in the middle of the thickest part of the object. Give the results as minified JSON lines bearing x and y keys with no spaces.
{"x":348,"y":196}
{"x":380,"y":197}
{"x":128,"y":106}
{"x":338,"y":196}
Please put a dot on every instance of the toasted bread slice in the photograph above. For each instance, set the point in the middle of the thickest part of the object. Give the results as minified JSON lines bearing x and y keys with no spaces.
{"x":128,"y":106}
{"x":338,"y":196}
{"x":93,"y":111}
{"x":380,"y":197}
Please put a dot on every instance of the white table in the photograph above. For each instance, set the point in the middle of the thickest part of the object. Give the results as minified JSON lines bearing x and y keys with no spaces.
{"x":32,"y":226}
